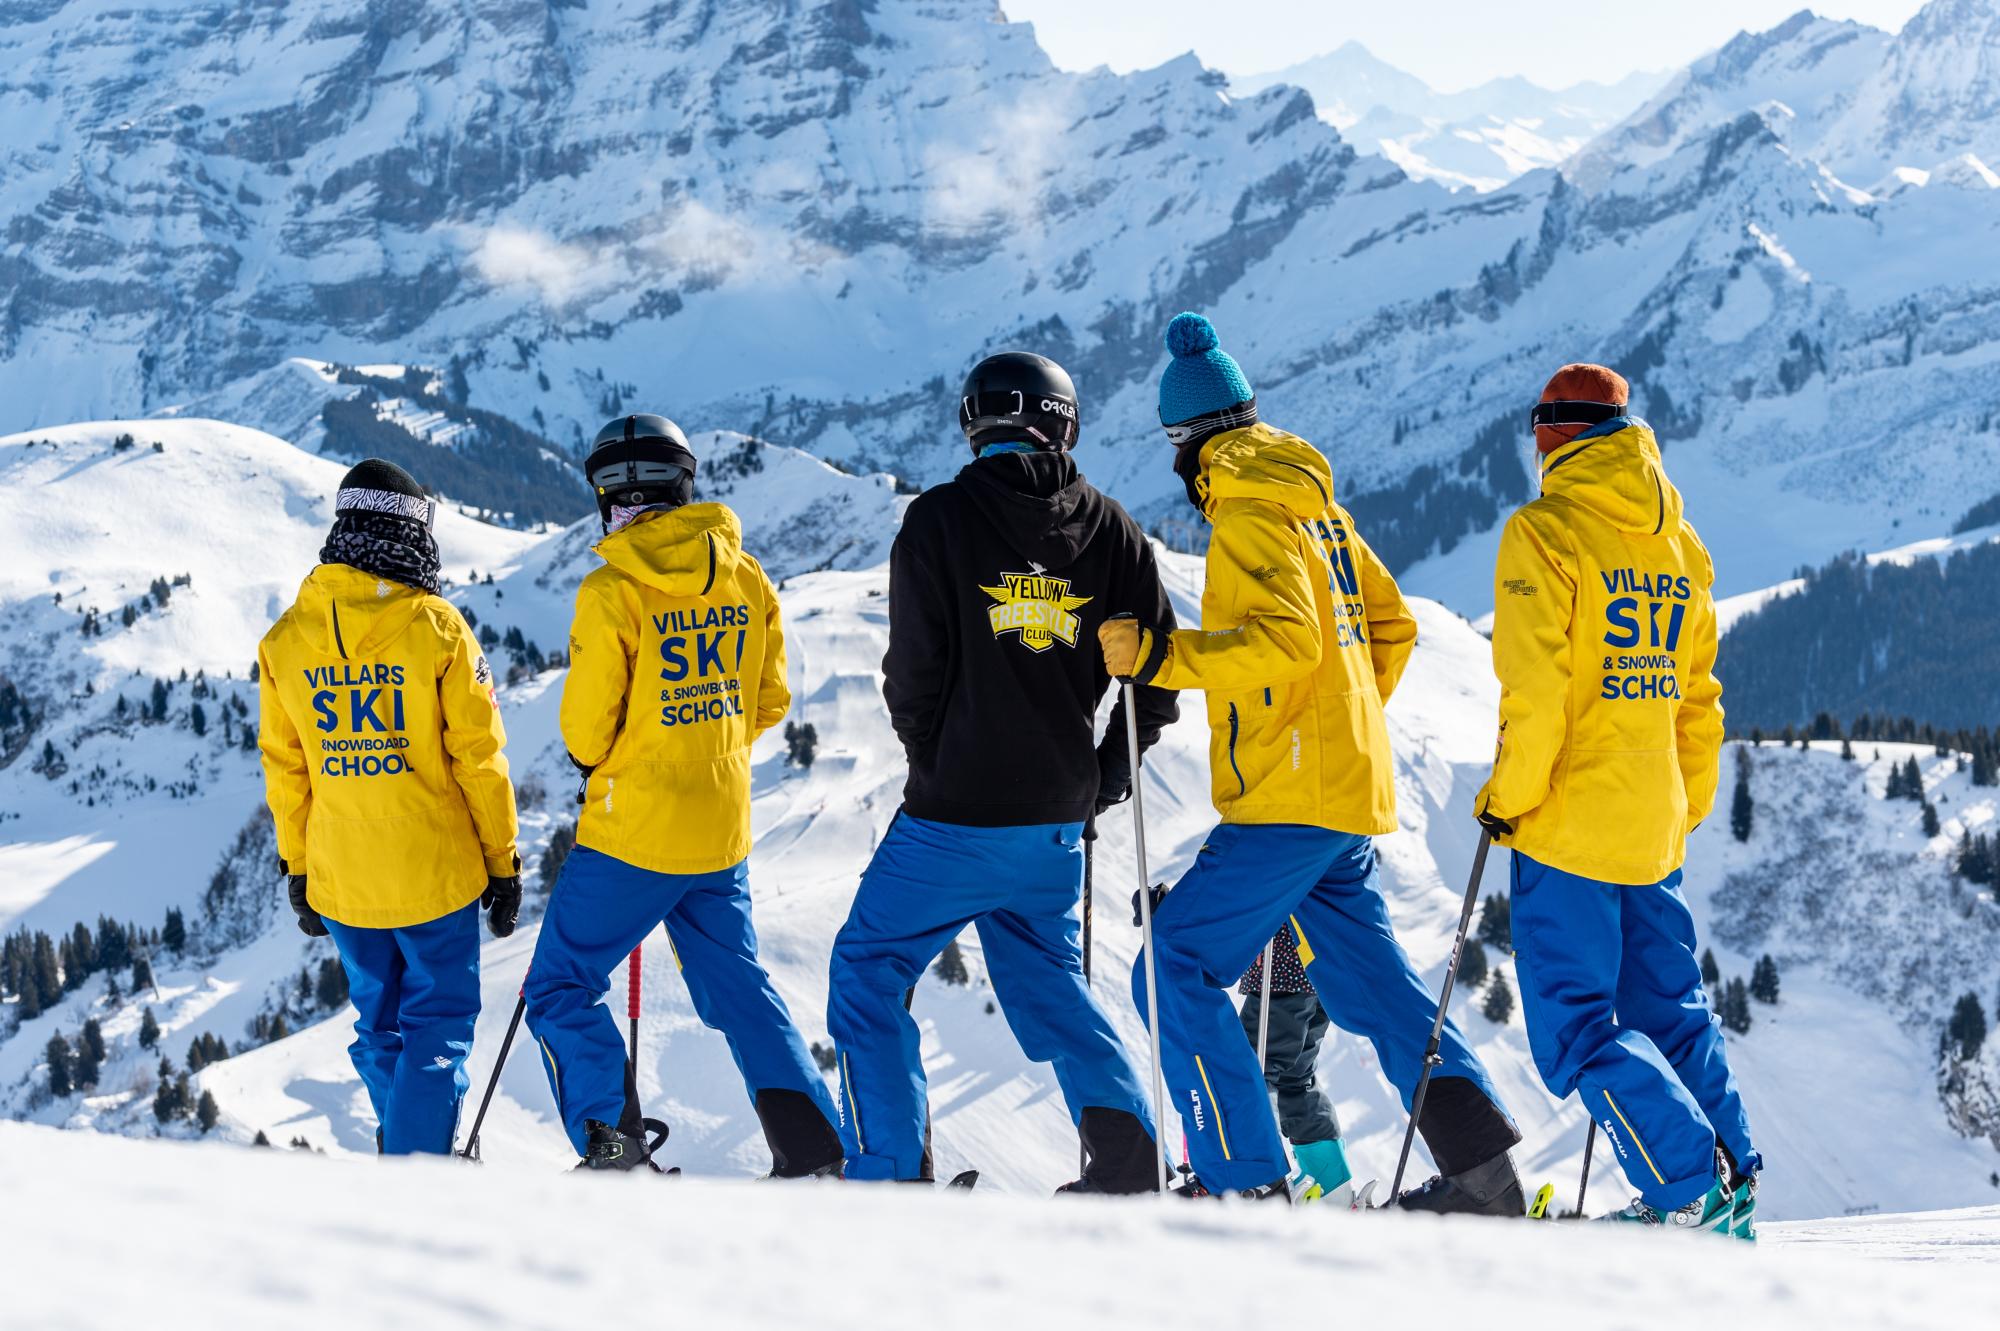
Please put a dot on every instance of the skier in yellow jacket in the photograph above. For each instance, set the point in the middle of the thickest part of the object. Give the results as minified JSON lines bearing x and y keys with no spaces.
{"x":1303,"y":637}
{"x":1604,"y":639}
{"x":677,"y":665}
{"x":383,"y":768}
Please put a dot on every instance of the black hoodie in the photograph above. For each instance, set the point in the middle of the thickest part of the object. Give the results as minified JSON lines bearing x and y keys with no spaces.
{"x":997,"y":583}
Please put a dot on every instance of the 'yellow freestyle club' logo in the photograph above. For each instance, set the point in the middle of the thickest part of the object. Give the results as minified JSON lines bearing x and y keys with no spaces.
{"x":1037,"y":607}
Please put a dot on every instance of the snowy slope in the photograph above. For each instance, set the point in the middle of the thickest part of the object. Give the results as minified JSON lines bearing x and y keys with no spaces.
{"x":292,"y":1240}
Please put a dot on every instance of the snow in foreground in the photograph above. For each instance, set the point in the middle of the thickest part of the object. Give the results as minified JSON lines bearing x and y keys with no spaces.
{"x":232,"y":1236}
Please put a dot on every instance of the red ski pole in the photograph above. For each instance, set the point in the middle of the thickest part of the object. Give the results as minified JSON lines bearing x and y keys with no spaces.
{"x":632,"y":1003}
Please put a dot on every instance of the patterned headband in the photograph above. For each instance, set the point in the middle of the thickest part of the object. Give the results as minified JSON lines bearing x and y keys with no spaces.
{"x":416,"y":507}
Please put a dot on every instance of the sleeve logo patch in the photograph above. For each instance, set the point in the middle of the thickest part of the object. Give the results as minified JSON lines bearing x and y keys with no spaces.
{"x":1037,"y":607}
{"x":1520,"y":587}
{"x":482,"y":673}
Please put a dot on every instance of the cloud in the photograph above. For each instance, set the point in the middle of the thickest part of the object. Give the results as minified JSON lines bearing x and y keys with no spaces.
{"x":1003,"y":174}
{"x":518,"y":256}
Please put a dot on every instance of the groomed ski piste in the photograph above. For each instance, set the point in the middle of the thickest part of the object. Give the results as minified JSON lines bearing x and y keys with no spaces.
{"x":222,"y":1237}
{"x":1842,"y":1089}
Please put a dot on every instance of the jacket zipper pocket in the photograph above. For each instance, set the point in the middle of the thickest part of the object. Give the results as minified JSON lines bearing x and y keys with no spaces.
{"x":1235,"y":724}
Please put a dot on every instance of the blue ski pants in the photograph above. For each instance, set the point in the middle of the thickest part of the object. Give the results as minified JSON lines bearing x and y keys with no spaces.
{"x":1020,"y":888}
{"x":601,"y":909}
{"x":1615,"y":1009}
{"x":415,"y":992}
{"x":1248,"y":880}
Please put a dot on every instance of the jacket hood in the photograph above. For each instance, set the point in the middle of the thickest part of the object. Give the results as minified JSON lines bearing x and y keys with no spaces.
{"x":1615,"y":471}
{"x":1039,"y":502}
{"x":679,"y":553}
{"x":1259,"y":462}
{"x":350,"y":613}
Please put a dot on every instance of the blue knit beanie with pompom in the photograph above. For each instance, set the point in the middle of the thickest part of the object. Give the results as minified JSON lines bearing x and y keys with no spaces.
{"x":1201,"y":377}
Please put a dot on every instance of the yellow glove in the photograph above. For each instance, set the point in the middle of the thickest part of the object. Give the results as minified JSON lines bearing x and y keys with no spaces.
{"x":1125,"y":645}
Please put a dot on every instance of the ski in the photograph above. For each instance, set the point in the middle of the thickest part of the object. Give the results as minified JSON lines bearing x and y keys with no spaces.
{"x":1539,"y":1208}
{"x":965,"y":1181}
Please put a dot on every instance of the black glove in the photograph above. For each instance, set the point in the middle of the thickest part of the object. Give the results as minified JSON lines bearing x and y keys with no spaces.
{"x":1114,"y":775}
{"x":502,"y":900}
{"x":1494,"y":824}
{"x":310,"y":924}
{"x":1159,"y":894}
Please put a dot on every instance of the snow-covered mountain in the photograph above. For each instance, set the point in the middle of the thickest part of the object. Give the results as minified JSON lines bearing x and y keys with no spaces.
{"x":142,"y":813}
{"x":806,"y":221}
{"x":1480,"y":137}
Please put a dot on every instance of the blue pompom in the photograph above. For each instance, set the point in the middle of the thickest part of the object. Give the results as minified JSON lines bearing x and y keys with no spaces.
{"x":1190,"y":335}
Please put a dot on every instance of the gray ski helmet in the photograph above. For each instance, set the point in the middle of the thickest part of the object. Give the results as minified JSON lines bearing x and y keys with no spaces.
{"x":640,"y":459}
{"x":1019,"y":397}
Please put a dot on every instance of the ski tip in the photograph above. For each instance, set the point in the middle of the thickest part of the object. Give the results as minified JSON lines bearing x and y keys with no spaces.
{"x":965,"y":1181}
{"x":1364,"y":1197}
{"x":1538,"y":1209}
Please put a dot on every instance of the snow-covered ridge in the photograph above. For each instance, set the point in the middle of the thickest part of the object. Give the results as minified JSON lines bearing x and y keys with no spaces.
{"x":399,"y":186}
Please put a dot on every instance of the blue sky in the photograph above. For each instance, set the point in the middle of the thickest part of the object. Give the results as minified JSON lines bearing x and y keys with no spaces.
{"x":1450,"y":44}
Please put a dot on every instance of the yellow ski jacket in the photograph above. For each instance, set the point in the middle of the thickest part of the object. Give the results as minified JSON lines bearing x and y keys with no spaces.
{"x":381,"y":743}
{"x":1604,"y":640}
{"x":1303,"y":637}
{"x":677,"y":665}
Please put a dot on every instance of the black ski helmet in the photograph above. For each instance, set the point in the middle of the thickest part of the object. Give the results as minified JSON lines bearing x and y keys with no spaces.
{"x":641,"y":459}
{"x":1019,"y":397}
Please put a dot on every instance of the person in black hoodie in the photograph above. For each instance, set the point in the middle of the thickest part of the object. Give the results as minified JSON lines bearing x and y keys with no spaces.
{"x":997,"y":583}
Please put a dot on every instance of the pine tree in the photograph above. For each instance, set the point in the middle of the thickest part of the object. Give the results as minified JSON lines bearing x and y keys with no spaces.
{"x":1742,"y":809}
{"x":331,"y":990}
{"x":1913,"y":780}
{"x":1895,"y":789}
{"x":1473,"y":965}
{"x":142,"y":974}
{"x":174,"y":934}
{"x":1966,"y":1031}
{"x":198,"y":720}
{"x":92,"y":1039}
{"x":951,"y":966}
{"x":1496,"y":922}
{"x":1846,"y":750}
{"x":1499,"y":1004}
{"x":279,"y":1030}
{"x":149,"y":1029}
{"x":801,"y":745}
{"x":206,"y":1111}
{"x":158,"y":710}
{"x":1736,"y":1006}
{"x":561,"y":842}
{"x":260,"y":1139}
{"x":59,"y":1057}
{"x":1931,"y":824}
{"x":47,"y":973}
{"x":1764,"y":980}
{"x":197,"y":1057}
{"x":87,"y":1062}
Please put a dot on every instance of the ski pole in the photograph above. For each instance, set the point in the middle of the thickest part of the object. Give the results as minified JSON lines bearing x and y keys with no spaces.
{"x":471,"y":1151}
{"x":1583,"y":1188}
{"x":1431,"y":1059}
{"x":632,"y":1003}
{"x":1083,"y":1151}
{"x":1146,"y":919}
{"x":1264,"y":1007}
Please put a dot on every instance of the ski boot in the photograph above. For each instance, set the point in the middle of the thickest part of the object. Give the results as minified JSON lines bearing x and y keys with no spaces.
{"x":610,"y":1149}
{"x":614,"y":1149}
{"x":831,"y":1169}
{"x":1191,"y":1188}
{"x":1712,"y":1212}
{"x":1490,"y":1189}
{"x":1323,"y":1174}
{"x":1744,"y":1213}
